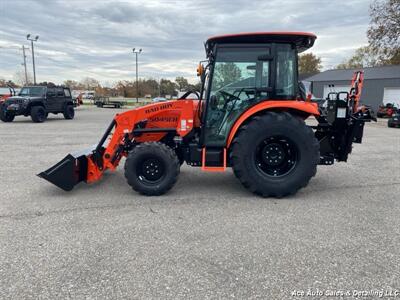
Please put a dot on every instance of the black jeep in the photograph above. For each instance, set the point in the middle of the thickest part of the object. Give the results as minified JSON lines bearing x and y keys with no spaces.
{"x":38,"y":102}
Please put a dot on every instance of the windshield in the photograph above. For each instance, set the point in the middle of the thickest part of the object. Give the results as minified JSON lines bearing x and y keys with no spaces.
{"x":32,"y":91}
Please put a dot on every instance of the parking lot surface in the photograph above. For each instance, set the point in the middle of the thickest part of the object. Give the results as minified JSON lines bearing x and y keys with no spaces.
{"x":207,"y":238}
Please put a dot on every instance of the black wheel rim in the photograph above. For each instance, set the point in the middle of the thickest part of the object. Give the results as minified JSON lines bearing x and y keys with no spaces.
{"x":41,"y":114}
{"x":276,"y":156}
{"x":151,"y":171}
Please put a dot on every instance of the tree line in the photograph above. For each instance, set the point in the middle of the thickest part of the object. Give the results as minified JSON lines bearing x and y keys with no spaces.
{"x":131,"y":89}
{"x":383,"y":42}
{"x":126,"y":88}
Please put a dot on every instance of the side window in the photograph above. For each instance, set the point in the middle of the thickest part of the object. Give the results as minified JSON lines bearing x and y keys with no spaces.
{"x":285,"y":72}
{"x":60,"y":92}
{"x":67,"y":93}
{"x":51,"y":92}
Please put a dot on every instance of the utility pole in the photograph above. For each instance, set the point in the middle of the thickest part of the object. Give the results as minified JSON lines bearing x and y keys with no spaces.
{"x":28,"y":37}
{"x":24,"y":64}
{"x":137,"y":76}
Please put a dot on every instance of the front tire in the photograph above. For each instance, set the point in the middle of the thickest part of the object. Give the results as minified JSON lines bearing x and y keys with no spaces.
{"x":69,"y":112}
{"x":152,"y":168}
{"x":5,"y":116}
{"x":275,"y":154}
{"x":38,"y":114}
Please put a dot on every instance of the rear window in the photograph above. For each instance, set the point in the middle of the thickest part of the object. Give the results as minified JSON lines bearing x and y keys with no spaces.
{"x":67,"y":93}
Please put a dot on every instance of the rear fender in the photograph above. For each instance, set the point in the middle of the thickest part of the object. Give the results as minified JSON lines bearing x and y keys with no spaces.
{"x":66,"y":103}
{"x":303,"y":108}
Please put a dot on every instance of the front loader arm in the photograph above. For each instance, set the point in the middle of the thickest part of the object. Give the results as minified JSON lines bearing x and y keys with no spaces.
{"x":144,"y":124}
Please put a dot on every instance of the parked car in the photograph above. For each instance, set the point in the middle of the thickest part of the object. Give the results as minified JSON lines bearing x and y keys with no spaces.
{"x":101,"y":101}
{"x":386,"y":110}
{"x":78,"y":100}
{"x":38,"y":102}
{"x":159,"y":99}
{"x":5,"y":96}
{"x":394,"y":120}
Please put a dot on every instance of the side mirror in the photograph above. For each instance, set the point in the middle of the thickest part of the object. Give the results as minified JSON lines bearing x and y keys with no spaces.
{"x":200,"y":70}
{"x":213,"y":102}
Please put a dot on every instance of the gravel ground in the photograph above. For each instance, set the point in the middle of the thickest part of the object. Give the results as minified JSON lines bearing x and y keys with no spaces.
{"x":207,"y":238}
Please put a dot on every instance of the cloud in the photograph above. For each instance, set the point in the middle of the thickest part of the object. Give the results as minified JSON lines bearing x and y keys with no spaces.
{"x":80,"y":38}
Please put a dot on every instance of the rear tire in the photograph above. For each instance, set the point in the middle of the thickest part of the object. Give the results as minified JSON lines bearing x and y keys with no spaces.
{"x":275,"y":154}
{"x":38,"y":114}
{"x":5,"y":116}
{"x":69,"y":112}
{"x":152,"y":168}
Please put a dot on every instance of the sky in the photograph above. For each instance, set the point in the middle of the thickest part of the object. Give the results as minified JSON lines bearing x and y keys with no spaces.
{"x":83,"y":38}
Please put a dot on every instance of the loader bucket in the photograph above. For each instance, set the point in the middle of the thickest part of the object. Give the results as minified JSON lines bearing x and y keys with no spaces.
{"x":69,"y":171}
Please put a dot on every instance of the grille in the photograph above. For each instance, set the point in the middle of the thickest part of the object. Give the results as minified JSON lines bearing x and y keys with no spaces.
{"x":15,"y":101}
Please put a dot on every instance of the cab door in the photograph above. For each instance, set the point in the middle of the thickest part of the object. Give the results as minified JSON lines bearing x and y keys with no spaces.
{"x":60,"y":99}
{"x":51,"y":99}
{"x":240,"y":79}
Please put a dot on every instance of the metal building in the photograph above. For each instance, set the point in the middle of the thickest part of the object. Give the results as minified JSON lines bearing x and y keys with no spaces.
{"x":381,"y":84}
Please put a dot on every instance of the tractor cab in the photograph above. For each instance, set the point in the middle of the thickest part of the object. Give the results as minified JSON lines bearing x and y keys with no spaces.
{"x":244,"y":70}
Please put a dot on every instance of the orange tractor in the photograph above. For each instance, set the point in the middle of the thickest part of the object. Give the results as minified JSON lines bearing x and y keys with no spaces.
{"x":250,"y":116}
{"x":5,"y":97}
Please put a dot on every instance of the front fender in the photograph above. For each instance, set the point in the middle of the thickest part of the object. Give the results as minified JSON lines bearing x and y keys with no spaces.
{"x":33,"y":103}
{"x":302,"y":107}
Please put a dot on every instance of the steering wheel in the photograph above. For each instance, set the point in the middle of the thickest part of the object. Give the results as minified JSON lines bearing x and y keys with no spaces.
{"x":231,"y":96}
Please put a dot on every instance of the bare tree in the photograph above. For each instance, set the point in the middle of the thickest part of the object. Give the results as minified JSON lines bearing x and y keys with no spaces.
{"x":19,"y":78}
{"x":363,"y":57}
{"x":90,"y":83}
{"x":384,"y":30}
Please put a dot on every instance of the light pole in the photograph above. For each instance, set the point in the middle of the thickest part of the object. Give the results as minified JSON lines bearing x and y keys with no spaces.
{"x":28,"y":37}
{"x":137,"y":52}
{"x":24,"y":64}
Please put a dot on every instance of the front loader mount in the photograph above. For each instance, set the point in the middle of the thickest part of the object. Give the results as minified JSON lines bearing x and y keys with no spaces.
{"x":149,"y":123}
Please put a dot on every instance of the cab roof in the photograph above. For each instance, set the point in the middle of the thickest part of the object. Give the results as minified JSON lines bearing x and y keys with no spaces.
{"x":302,"y":40}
